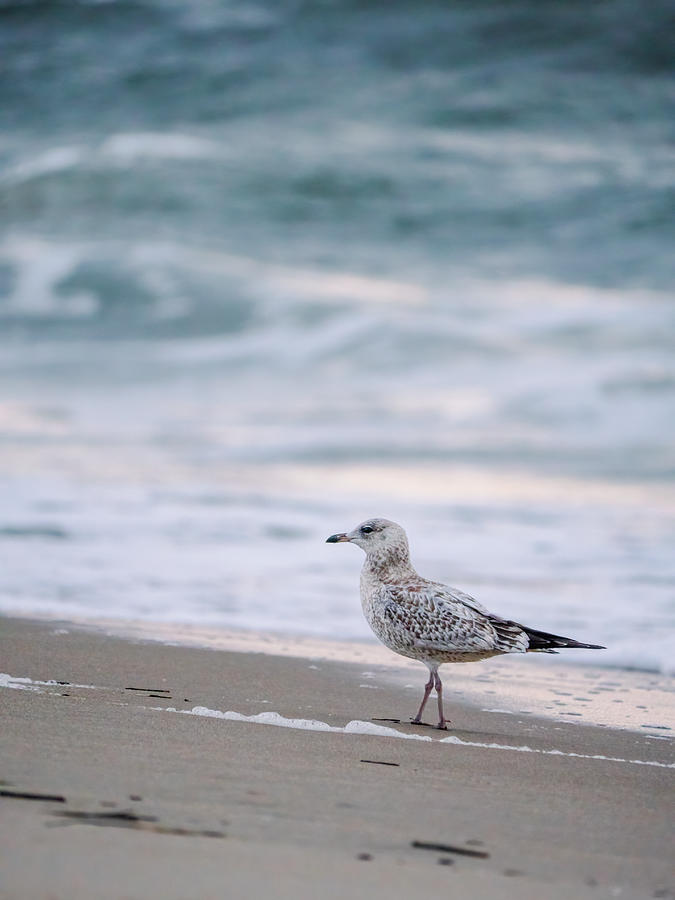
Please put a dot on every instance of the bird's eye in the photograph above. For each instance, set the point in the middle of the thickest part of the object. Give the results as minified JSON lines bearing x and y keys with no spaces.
{"x":366,"y":529}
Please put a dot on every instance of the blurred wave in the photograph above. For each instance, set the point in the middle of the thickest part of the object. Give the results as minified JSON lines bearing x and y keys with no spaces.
{"x":324,"y":236}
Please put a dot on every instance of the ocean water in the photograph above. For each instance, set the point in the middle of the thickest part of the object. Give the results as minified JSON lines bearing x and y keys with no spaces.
{"x":268,"y":269}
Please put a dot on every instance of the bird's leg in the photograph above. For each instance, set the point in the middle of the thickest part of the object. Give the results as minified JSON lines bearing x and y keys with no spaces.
{"x":442,"y":721}
{"x":427,"y":690}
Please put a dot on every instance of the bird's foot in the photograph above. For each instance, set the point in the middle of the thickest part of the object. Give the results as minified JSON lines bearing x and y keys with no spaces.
{"x":440,"y":726}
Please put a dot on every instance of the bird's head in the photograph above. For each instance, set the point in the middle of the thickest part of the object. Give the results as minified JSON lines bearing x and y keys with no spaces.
{"x":375,"y":536}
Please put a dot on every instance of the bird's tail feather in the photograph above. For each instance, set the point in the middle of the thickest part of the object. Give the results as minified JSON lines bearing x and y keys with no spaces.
{"x":543,"y":642}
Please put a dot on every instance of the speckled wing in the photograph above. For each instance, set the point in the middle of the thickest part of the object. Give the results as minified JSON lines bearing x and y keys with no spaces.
{"x":441,"y":621}
{"x":453,"y":595}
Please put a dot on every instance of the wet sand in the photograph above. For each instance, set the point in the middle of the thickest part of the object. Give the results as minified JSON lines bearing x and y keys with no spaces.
{"x":124,"y":798}
{"x":535,"y":684}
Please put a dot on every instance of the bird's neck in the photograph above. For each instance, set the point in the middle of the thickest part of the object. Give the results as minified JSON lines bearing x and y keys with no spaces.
{"x":390,"y":565}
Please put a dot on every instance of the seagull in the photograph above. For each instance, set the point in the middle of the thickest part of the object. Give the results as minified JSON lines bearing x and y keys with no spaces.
{"x":429,"y":621}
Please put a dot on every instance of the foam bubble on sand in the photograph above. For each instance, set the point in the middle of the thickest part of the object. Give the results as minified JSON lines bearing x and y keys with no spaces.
{"x":18,"y":684}
{"x":263,"y":718}
{"x":29,"y":684}
{"x":525,"y":749}
{"x":356,"y":726}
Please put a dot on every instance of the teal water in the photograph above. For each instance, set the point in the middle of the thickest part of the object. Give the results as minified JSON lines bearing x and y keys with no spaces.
{"x":267,"y":269}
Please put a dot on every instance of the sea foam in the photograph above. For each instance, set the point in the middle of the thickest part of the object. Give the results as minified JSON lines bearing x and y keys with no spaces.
{"x":356,"y":726}
{"x":370,"y":728}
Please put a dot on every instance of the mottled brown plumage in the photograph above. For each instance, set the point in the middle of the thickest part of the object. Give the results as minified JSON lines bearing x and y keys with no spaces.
{"x":426,"y":620}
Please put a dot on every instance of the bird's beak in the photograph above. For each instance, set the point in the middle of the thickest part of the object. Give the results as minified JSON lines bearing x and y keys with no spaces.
{"x":337,"y":539}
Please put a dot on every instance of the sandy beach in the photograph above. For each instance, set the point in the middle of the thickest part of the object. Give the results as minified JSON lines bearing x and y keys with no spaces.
{"x":110,"y":790}
{"x":271,"y":272}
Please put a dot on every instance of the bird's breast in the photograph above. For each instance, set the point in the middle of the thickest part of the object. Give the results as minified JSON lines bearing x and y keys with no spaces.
{"x":382,"y":614}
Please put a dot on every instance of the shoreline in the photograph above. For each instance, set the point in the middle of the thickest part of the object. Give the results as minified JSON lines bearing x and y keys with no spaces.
{"x":515,"y":685}
{"x":158,"y":746}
